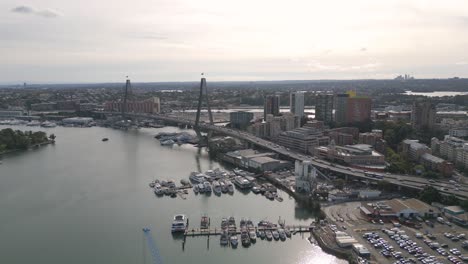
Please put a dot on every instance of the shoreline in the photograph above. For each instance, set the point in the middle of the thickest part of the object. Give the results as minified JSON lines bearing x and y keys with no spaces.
{"x":28,"y":148}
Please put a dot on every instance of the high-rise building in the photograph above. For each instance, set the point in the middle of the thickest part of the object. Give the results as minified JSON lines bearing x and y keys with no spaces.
{"x":324,"y":107}
{"x":423,"y":115}
{"x":341,"y":106}
{"x":240,"y":119}
{"x":271,"y":106}
{"x":296,"y":103}
{"x":358,"y":109}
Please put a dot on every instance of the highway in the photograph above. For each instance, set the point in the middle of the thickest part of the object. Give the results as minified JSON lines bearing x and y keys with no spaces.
{"x":407,"y":181}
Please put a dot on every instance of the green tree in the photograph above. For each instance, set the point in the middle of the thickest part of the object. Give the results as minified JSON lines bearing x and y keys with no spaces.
{"x":430,"y":195}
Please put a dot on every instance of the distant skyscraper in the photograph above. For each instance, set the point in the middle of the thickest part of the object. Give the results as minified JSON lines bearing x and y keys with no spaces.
{"x":358,"y":109}
{"x":423,"y":114}
{"x":324,"y":107}
{"x":341,"y":106}
{"x":271,"y":106}
{"x":296,"y":103}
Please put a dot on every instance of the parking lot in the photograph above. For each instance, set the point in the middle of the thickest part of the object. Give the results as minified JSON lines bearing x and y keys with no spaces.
{"x":434,"y":242}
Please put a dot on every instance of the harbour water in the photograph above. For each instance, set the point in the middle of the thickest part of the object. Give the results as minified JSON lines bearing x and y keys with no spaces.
{"x":85,"y":201}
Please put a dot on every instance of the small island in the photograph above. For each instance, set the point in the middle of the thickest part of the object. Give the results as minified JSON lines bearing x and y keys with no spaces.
{"x":14,"y":140}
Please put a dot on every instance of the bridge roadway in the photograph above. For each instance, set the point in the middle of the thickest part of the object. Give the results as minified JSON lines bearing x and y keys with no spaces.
{"x":407,"y":181}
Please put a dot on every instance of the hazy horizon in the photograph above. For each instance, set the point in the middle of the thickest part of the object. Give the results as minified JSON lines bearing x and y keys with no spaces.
{"x":54,"y":41}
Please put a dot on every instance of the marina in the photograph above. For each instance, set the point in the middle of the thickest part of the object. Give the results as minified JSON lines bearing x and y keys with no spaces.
{"x":219,"y":182}
{"x":45,"y":191}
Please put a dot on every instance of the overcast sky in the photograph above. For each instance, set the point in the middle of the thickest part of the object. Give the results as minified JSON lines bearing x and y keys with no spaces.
{"x":56,"y":41}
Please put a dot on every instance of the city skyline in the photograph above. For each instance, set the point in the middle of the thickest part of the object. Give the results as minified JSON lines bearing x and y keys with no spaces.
{"x":92,"y":42}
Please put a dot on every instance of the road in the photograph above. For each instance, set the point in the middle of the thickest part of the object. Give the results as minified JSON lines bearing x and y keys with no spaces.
{"x":407,"y":181}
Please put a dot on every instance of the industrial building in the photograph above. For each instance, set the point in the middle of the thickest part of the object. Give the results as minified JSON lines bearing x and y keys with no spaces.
{"x":360,"y":155}
{"x":303,"y":139}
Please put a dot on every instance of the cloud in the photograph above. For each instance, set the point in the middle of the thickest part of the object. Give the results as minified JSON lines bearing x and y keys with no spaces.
{"x":23,"y":10}
{"x":363,"y":49}
{"x":47,"y":13}
{"x":461,"y":63}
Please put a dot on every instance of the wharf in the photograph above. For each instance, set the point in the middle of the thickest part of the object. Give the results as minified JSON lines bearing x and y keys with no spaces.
{"x":215,"y":232}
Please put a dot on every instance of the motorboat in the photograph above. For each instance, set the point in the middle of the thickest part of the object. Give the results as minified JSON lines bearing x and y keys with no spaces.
{"x":242,"y":182}
{"x":282,"y":234}
{"x":256,"y":189}
{"x":287,"y":232}
{"x":224,"y":187}
{"x":171,"y":184}
{"x":201,"y":187}
{"x":261,"y":234}
{"x":158,"y":189}
{"x":269,"y":195}
{"x":105,"y":139}
{"x":207,"y":187}
{"x":169,"y":142}
{"x":253,"y":236}
{"x":268,"y":235}
{"x":205,"y":222}
{"x":224,"y":224}
{"x":230,"y":186}
{"x":224,"y":240}
{"x":179,"y":224}
{"x":151,"y":184}
{"x":234,"y":241}
{"x":245,"y":239}
{"x":232,"y":225}
{"x":48,"y":124}
{"x":195,"y":188}
{"x":275,"y":234}
{"x":196,"y":177}
{"x":216,"y":187}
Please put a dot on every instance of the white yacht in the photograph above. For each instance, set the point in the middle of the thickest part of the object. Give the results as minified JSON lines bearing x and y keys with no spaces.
{"x":216,"y":187}
{"x":230,"y":186}
{"x":48,"y":124}
{"x":179,"y":224}
{"x":242,"y":182}
{"x":234,"y":240}
{"x":196,"y":177}
{"x":158,"y":190}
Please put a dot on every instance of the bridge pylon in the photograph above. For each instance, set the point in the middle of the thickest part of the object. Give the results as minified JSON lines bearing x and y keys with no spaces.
{"x":203,"y":95}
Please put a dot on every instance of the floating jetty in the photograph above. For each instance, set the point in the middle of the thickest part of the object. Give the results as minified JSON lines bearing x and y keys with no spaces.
{"x":218,"y":231}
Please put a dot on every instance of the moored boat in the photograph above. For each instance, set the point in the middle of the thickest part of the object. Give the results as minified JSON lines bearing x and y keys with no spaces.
{"x":261,"y":234}
{"x":234,"y":241}
{"x":253,"y":236}
{"x":196,"y":177}
{"x":245,"y":239}
{"x":158,"y":189}
{"x":179,"y":224}
{"x":216,"y":187}
{"x":275,"y":234}
{"x":224,"y":240}
{"x":207,"y":187}
{"x":268,"y":235}
{"x":282,"y":234}
{"x":287,"y":232}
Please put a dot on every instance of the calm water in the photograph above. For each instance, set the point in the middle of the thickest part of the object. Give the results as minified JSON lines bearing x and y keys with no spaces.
{"x":85,"y":201}
{"x":437,"y":93}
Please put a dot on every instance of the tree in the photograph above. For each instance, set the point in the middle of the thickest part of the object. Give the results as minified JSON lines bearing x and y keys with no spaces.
{"x":339,"y":184}
{"x":430,"y":195}
{"x":385,"y":185}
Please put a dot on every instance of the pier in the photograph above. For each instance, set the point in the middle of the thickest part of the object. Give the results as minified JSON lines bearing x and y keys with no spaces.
{"x":193,"y":232}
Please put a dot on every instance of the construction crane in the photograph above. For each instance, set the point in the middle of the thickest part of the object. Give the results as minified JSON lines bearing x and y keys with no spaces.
{"x":152,"y":246}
